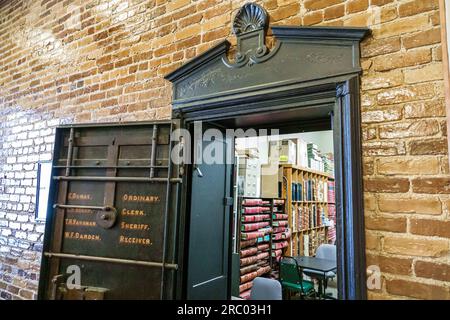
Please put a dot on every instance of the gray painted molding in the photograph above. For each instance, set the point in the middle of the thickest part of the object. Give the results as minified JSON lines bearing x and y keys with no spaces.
{"x":301,"y":54}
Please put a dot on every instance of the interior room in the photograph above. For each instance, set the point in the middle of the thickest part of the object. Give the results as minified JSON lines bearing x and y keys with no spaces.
{"x":284,"y":217}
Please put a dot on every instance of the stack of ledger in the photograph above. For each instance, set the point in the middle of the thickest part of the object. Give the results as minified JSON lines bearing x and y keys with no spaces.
{"x":281,"y":232}
{"x":255,"y":242}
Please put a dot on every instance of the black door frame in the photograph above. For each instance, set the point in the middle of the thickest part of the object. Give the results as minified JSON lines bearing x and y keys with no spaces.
{"x":343,"y":93}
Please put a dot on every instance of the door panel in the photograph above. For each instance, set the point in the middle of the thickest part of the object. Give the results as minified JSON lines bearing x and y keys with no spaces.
{"x":209,"y":237}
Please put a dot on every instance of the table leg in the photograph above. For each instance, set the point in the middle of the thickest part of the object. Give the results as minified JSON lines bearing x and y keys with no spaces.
{"x":320,"y":289}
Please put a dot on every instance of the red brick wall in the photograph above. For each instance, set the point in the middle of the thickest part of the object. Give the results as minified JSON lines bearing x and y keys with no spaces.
{"x":89,"y":61}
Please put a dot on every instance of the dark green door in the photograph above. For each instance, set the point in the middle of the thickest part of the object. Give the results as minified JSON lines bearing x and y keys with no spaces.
{"x":209,"y":228}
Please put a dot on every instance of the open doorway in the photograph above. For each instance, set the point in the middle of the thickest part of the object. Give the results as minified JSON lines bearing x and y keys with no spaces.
{"x":284,"y":214}
{"x":308,"y":81}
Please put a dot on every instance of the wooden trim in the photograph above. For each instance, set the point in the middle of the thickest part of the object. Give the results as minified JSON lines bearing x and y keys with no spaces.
{"x":350,"y":231}
{"x":445,"y":65}
{"x":211,"y":81}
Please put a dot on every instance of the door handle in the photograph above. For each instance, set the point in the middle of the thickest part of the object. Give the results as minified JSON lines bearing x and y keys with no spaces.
{"x":199,"y":172}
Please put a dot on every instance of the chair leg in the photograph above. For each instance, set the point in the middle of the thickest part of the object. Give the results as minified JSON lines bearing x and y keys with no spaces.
{"x":286,"y":294}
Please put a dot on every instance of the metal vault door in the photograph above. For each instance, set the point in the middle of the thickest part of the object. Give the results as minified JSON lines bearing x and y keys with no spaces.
{"x":113,"y":217}
{"x":209,"y":227}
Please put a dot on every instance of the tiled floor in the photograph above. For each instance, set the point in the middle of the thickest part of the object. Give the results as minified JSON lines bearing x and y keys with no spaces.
{"x":332,"y":288}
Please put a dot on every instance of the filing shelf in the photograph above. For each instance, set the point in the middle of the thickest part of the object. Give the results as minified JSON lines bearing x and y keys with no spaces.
{"x":307,"y":205}
{"x":258,"y":255}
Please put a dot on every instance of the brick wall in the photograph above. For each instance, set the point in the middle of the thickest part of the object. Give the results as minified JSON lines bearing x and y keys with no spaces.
{"x":89,"y":61}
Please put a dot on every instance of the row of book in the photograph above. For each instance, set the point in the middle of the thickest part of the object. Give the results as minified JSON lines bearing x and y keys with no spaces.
{"x":310,"y":190}
{"x":297,"y":192}
{"x":332,"y":211}
{"x":307,"y":217}
{"x":312,"y":241}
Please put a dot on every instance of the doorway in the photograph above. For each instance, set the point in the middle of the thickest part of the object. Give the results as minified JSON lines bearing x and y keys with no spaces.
{"x":285,"y":213}
{"x":309,"y":81}
{"x":289,"y":166}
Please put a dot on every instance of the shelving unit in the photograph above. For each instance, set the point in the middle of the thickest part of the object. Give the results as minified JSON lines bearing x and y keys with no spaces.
{"x":308,"y":206}
{"x":281,"y":234}
{"x":262,"y":239}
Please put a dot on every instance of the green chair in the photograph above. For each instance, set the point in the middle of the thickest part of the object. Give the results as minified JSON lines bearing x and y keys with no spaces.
{"x":291,"y":278}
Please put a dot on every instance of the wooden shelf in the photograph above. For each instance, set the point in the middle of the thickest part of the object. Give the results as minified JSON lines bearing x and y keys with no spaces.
{"x":310,"y":229}
{"x":313,"y":202}
{"x":315,"y":236}
{"x":319,"y":173}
